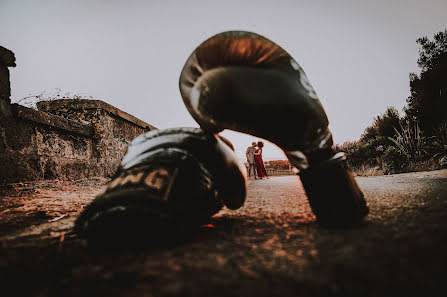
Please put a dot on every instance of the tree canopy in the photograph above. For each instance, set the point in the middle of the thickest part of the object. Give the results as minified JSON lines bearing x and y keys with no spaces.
{"x":427,"y":103}
{"x":383,"y":125}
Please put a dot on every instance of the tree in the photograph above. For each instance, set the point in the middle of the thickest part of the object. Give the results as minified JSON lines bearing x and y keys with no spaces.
{"x":386,"y":123}
{"x":427,"y":103}
{"x":431,"y":52}
{"x":369,"y":133}
{"x":383,"y":125}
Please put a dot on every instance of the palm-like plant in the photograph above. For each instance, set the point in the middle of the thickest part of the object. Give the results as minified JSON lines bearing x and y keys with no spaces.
{"x":440,"y":140}
{"x":410,"y":141}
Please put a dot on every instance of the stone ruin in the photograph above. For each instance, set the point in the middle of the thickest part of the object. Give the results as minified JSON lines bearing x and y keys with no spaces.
{"x":62,"y":139}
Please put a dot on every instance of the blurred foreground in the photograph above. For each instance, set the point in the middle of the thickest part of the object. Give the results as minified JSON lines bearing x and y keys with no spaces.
{"x":270,"y":247}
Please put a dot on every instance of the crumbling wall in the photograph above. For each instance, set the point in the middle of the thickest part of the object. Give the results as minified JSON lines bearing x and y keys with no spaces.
{"x":113,"y":129}
{"x":36,"y":145}
{"x":64,"y":139}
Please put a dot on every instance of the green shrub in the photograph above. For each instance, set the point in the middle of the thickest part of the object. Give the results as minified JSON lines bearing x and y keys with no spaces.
{"x":359,"y":153}
{"x":394,"y":160}
{"x":365,"y":154}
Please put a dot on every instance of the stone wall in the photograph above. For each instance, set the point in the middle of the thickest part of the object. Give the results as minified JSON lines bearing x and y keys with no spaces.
{"x":36,"y":145}
{"x":7,"y":59}
{"x":64,"y":139}
{"x":71,"y":139}
{"x":113,"y":129}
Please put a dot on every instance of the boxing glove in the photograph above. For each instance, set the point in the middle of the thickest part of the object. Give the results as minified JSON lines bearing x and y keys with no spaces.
{"x":169,"y":182}
{"x":244,"y":82}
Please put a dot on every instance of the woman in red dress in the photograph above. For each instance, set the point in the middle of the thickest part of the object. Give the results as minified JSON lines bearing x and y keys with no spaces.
{"x":262,"y":173}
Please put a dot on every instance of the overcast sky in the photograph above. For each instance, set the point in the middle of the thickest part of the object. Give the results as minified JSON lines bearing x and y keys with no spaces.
{"x":357,"y":54}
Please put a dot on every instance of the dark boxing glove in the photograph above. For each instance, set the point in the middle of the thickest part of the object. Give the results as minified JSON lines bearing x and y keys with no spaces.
{"x":169,"y":182}
{"x":244,"y":82}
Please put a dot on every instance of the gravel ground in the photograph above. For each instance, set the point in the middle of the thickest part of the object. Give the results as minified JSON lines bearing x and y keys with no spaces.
{"x":270,"y":247}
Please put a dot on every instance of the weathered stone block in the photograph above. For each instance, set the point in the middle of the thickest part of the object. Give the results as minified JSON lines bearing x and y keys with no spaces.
{"x":76,"y":140}
{"x":113,"y":128}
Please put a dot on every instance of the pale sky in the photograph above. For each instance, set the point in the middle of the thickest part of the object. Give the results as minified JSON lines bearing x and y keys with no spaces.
{"x":357,"y":54}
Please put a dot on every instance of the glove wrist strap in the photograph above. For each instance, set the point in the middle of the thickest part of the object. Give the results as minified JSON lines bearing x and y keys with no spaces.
{"x":333,"y":193}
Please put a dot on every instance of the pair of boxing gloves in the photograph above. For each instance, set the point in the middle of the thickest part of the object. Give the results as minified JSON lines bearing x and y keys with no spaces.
{"x":173,"y":180}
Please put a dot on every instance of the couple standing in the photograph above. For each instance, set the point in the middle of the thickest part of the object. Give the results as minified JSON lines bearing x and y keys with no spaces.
{"x":255,"y":162}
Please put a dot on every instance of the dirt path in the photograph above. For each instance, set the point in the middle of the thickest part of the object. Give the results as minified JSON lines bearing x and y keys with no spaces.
{"x":270,"y":247}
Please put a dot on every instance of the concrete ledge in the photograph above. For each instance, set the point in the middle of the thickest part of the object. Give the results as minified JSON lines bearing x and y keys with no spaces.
{"x":52,"y":120}
{"x":85,"y":104}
